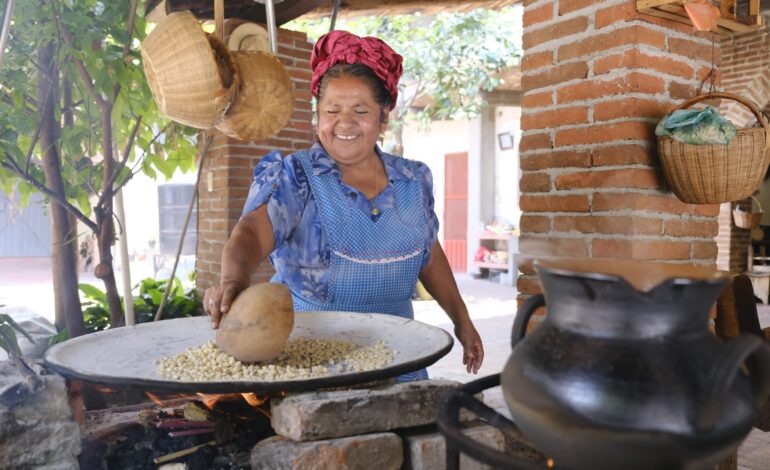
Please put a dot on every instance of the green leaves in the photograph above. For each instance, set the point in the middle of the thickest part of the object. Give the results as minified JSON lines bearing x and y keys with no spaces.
{"x":449,"y":57}
{"x":148,"y":295}
{"x":8,"y":340}
{"x":98,"y":31}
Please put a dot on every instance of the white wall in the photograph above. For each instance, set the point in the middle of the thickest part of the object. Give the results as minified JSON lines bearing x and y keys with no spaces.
{"x":507,"y":119}
{"x":429,"y":147}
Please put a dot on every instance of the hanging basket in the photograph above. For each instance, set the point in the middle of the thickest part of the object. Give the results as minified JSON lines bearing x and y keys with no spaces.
{"x":265,"y":99}
{"x":716,"y":173}
{"x":191,"y":74}
{"x":748,"y":219}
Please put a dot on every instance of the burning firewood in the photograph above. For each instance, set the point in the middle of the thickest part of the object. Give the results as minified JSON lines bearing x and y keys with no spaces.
{"x":194,"y":411}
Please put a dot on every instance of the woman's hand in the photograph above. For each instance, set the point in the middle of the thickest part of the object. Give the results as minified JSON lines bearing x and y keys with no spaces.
{"x":217,"y":300}
{"x":473,"y":349}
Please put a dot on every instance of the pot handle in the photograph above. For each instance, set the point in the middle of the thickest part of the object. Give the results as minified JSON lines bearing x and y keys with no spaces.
{"x":746,"y":348}
{"x":523,"y":315}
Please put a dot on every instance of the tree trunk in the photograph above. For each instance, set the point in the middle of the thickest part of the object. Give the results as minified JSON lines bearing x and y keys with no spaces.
{"x":64,"y":233}
{"x":104,"y":220}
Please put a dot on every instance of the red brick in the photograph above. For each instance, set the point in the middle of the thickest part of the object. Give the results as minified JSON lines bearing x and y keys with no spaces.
{"x":627,"y":154}
{"x":694,"y":50}
{"x":554,"y":118}
{"x":615,"y":14}
{"x":534,"y":224}
{"x":634,"y":82}
{"x":535,"y":142}
{"x":532,"y":61}
{"x":554,"y":31}
{"x":634,"y":58}
{"x":692,"y":228}
{"x":535,"y":183}
{"x":633,"y":35}
{"x":608,"y":225}
{"x":704,"y":250}
{"x":667,"y":204}
{"x":681,"y":91}
{"x":630,"y":107}
{"x":554,"y":75}
{"x":538,"y":15}
{"x":708,"y":210}
{"x":637,"y":130}
{"x":537,"y":100}
{"x":553,"y":246}
{"x":625,"y":178}
{"x":568,"y":6}
{"x":640,"y":249}
{"x":528,"y":285}
{"x":561,"y":159}
{"x":570,"y":203}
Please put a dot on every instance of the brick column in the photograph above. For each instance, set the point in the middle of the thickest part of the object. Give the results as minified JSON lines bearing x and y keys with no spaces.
{"x":745,"y":72}
{"x":228,"y":169}
{"x":597,"y":77}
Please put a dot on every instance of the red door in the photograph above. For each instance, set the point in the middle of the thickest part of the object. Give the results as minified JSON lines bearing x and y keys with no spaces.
{"x":456,"y":210}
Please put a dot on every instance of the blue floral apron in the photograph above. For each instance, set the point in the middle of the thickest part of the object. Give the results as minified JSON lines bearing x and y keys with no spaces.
{"x":375,"y":260}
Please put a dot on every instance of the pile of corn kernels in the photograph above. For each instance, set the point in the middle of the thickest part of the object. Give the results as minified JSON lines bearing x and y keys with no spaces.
{"x":303,"y":358}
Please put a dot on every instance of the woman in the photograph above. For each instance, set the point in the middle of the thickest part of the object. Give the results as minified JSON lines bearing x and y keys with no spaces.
{"x":346,"y":226}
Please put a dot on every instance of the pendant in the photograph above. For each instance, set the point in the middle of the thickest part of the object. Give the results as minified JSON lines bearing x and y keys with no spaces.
{"x":375,"y":211}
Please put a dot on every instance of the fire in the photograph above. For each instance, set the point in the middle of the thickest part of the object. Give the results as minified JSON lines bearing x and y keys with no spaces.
{"x":549,"y":463}
{"x":253,"y":400}
{"x":163,"y":401}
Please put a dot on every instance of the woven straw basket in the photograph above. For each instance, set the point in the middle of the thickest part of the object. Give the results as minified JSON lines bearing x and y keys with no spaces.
{"x":716,"y":173}
{"x":748,"y":219}
{"x":191,"y":74}
{"x":265,"y":100}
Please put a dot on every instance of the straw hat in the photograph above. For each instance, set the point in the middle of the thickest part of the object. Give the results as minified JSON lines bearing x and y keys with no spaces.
{"x":249,"y":37}
{"x":191,"y":74}
{"x":265,"y":99}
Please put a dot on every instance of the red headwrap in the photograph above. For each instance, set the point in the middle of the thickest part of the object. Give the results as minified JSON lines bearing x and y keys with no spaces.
{"x":347,"y":48}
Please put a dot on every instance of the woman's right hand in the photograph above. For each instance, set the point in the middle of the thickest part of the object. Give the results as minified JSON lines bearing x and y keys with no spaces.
{"x":217,"y":300}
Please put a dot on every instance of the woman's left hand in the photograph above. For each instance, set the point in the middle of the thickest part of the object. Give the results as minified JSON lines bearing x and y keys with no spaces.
{"x":473,"y":349}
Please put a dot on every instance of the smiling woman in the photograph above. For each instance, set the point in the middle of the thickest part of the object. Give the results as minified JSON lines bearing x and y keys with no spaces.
{"x":346,"y":226}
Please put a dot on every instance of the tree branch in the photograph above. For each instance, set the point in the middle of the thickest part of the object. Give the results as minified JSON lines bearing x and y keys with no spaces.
{"x":81,"y":67}
{"x":127,"y":46}
{"x":9,"y":163}
{"x":36,"y":135}
{"x":123,"y":160}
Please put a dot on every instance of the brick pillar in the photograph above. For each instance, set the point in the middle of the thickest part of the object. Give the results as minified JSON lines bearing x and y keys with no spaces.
{"x":597,"y":77}
{"x":227,"y":172}
{"x":745,"y":72}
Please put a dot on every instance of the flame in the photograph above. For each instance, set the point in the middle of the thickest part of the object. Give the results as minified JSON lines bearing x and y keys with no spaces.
{"x":549,"y":463}
{"x":163,"y":401}
{"x":210,"y":400}
{"x":154,"y":398}
{"x":104,"y":389}
{"x":254,"y":400}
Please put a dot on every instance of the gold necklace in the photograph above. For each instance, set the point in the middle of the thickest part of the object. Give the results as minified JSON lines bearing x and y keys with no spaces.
{"x":375,"y":211}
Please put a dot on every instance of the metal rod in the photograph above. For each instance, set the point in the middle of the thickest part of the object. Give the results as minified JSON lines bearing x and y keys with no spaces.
{"x":335,"y":10}
{"x":271,"y":32}
{"x":6,"y":28}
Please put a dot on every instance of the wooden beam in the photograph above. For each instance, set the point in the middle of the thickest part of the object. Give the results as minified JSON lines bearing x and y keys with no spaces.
{"x":400,"y":7}
{"x":285,"y":11}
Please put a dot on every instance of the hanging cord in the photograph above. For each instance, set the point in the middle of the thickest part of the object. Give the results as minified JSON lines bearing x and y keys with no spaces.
{"x":712,"y":75}
{"x":6,"y":27}
{"x":194,"y":198}
{"x":335,"y":10}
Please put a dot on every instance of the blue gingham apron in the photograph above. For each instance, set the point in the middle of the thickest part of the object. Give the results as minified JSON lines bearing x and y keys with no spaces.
{"x":375,"y":260}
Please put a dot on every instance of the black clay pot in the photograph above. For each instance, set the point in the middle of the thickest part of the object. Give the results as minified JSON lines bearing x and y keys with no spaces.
{"x":623,"y":372}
